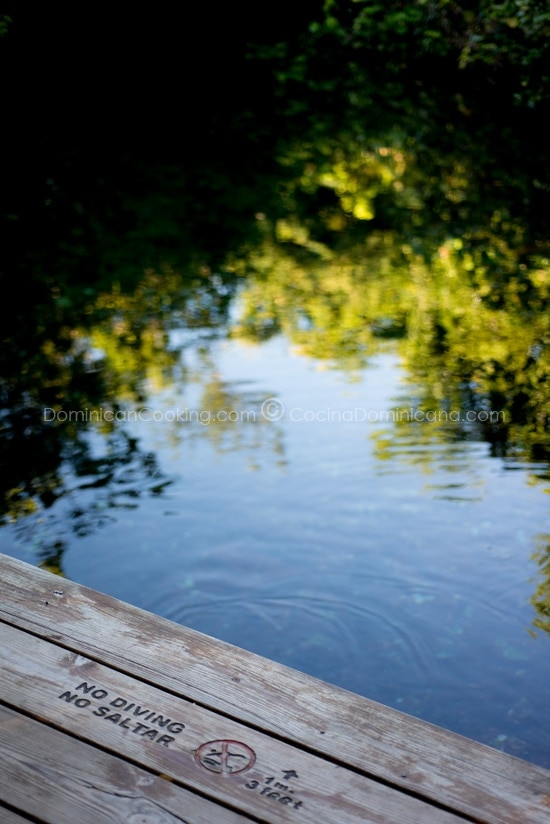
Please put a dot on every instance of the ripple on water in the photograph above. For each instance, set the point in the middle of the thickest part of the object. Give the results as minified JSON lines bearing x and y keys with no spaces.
{"x":385,"y":641}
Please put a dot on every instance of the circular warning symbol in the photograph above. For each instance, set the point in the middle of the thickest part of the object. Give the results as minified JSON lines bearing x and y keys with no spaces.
{"x":225,"y":756}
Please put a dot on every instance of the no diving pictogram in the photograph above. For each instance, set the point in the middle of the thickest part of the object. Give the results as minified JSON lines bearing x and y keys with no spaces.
{"x":225,"y":756}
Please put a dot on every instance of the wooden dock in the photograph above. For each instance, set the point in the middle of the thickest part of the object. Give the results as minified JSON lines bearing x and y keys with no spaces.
{"x":111,"y":714}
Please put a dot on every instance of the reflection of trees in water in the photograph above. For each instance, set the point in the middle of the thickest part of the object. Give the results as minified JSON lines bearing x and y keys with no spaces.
{"x":56,"y":388}
{"x":68,"y":461}
{"x":541,"y":598}
{"x":235,"y":421}
{"x":401,"y":209}
{"x":130,"y":332}
{"x":469,"y":315}
{"x":82,"y":493}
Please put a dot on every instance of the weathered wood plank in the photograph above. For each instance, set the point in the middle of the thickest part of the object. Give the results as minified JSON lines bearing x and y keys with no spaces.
{"x":232,"y":764}
{"x":61,"y":780}
{"x":9,"y":817}
{"x":480,"y":782}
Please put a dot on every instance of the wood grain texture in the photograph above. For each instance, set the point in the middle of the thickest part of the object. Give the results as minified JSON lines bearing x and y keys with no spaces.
{"x":9,"y":817}
{"x":482,"y":783}
{"x":172,"y":736}
{"x":60,"y":780}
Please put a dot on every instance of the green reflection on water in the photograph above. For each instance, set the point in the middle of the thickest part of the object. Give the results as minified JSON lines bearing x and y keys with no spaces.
{"x":472,"y":347}
{"x":331,"y":268}
{"x":541,"y":598}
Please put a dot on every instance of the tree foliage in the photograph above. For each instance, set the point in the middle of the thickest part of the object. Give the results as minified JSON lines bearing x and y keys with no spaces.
{"x":473,"y":46}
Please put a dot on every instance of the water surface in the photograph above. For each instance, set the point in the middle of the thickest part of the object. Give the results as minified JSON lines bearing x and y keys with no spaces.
{"x":395,"y":560}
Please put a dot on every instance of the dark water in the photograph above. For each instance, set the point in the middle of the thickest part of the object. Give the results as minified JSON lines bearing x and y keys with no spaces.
{"x":285,"y":512}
